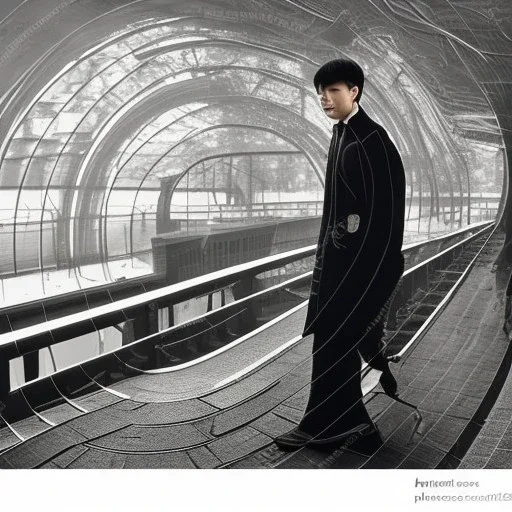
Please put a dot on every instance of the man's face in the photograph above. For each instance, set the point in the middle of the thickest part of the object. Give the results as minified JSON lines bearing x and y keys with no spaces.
{"x":337,"y":99}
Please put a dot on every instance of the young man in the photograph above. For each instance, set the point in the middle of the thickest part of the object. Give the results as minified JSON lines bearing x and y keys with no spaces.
{"x":358,"y":263}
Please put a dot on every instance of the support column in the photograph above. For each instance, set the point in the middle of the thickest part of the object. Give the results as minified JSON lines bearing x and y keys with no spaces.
{"x":243,"y":288}
{"x":5,"y":379}
{"x":504,"y":260}
{"x":62,"y":251}
{"x":31,"y":365}
{"x":164,"y":223}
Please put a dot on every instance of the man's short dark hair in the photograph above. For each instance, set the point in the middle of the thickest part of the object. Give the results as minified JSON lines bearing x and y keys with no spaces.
{"x":340,"y":70}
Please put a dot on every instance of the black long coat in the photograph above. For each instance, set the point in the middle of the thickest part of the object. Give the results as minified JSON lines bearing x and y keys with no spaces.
{"x":358,"y":259}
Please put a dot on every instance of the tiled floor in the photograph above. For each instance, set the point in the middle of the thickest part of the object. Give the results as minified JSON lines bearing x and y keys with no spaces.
{"x":446,"y":382}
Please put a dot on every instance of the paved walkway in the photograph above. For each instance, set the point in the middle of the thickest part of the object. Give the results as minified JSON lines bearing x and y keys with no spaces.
{"x":448,"y":380}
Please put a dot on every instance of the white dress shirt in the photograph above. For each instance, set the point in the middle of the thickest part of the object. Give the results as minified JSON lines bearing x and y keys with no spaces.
{"x":354,"y":111}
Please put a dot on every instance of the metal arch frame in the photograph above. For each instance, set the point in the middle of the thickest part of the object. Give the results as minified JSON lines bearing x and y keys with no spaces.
{"x":184,"y":17}
{"x":103,"y":241}
{"x":109,"y":185}
{"x":412,"y":106}
{"x":278,"y":77}
{"x":436,"y":30}
{"x":67,"y":67}
{"x":450,"y":145}
{"x":419,"y":141}
{"x":506,"y":178}
{"x":71,"y":135}
{"x":50,"y":176}
{"x":506,"y":193}
{"x":222,"y":163}
{"x":288,"y":54}
{"x":105,"y":269}
{"x":447,"y":174}
{"x":185,"y":171}
{"x":21,"y":119}
{"x":418,"y":138}
{"x":122,"y":36}
{"x":208,"y":41}
{"x":105,"y":125}
{"x":430,"y":173}
{"x":131,"y":217}
{"x":209,"y":106}
{"x":90,"y":52}
{"x":64,"y":71}
{"x":151,"y":24}
{"x":9,"y":95}
{"x":407,"y":138}
{"x":164,"y":128}
{"x":135,"y":69}
{"x":103,"y":245}
{"x":411,"y":146}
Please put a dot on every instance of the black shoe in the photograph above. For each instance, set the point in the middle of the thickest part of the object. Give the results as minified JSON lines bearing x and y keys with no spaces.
{"x":297,"y":438}
{"x":293,"y":440}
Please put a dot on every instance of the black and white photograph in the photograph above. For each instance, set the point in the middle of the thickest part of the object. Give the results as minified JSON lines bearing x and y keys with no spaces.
{"x":256,"y":234}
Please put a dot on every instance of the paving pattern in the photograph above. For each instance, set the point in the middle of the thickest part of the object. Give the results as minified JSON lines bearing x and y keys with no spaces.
{"x":448,"y":382}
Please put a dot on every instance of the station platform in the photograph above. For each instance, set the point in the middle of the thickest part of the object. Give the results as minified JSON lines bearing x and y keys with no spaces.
{"x":225,"y":410}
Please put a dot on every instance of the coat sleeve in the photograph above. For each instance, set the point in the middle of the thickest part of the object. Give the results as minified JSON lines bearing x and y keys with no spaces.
{"x":386,"y":205}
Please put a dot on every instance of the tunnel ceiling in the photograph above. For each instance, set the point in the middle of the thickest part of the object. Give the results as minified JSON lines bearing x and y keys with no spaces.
{"x":101,"y":96}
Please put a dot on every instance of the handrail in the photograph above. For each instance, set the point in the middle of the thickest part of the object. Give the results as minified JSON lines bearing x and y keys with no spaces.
{"x":286,"y":346}
{"x":179,"y":292}
{"x":408,"y":274}
{"x":450,"y":234}
{"x":25,"y":340}
{"x":365,"y":366}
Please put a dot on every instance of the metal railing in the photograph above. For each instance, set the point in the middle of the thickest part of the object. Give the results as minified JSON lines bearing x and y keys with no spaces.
{"x":46,"y":333}
{"x":156,"y":352}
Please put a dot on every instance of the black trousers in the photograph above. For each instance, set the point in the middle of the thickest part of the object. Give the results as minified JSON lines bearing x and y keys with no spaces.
{"x":335,"y":402}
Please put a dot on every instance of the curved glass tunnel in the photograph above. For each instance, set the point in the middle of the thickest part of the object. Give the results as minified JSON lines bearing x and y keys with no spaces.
{"x":166,"y":139}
